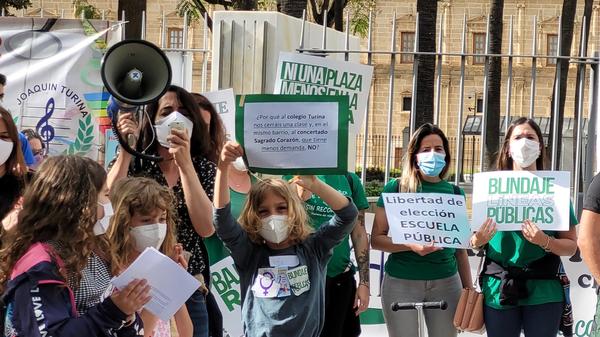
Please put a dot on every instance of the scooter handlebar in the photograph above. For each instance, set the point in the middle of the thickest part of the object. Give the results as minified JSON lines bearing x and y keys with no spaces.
{"x":413,"y":305}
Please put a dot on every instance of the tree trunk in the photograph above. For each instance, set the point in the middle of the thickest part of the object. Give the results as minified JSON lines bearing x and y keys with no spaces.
{"x":338,"y":14}
{"x":566,"y":31}
{"x":245,"y":5}
{"x":427,"y":10}
{"x":587,"y":13}
{"x":494,"y":85}
{"x":293,"y":8}
{"x":133,"y":14}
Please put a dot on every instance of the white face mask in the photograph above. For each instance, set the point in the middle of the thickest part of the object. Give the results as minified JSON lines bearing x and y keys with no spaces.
{"x":239,"y":164}
{"x":163,"y":126}
{"x":101,"y":225}
{"x":275,"y":228}
{"x":149,"y":236}
{"x":6,"y":148}
{"x":524,"y":151}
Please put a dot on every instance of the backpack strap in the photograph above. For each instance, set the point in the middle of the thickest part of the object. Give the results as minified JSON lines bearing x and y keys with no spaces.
{"x":38,"y":252}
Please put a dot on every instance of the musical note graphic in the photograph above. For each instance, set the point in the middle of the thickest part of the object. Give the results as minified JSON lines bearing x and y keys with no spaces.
{"x":43,"y":127}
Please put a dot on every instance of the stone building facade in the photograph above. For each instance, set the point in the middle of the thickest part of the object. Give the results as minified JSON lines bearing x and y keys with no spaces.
{"x":452,"y":13}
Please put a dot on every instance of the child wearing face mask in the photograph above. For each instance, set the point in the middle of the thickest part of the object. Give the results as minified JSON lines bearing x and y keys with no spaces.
{"x":540,"y":302}
{"x":45,"y":256}
{"x":143,"y":217}
{"x":280,"y":260}
{"x":420,"y":273}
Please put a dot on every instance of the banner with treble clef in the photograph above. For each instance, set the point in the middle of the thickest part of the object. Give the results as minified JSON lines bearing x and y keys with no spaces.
{"x":53,"y":80}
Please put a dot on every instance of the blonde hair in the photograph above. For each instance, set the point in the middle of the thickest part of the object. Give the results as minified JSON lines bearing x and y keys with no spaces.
{"x":142,"y":196}
{"x":410,"y":181}
{"x":297,"y":217}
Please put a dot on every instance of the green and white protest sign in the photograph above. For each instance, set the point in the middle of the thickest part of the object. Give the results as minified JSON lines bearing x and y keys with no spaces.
{"x":224,"y":103}
{"x":426,"y":218}
{"x":511,"y":197}
{"x":225,"y":285}
{"x":288,"y":134}
{"x":301,"y":74}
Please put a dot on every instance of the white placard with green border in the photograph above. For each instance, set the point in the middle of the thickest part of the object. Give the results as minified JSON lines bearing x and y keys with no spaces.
{"x":225,"y":286}
{"x":428,"y":218}
{"x":511,"y":197}
{"x":289,"y":134}
{"x":301,"y":74}
{"x":224,"y":103}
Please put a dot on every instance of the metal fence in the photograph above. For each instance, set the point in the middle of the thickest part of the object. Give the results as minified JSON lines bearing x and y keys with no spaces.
{"x":386,"y":150}
{"x":583,"y":62}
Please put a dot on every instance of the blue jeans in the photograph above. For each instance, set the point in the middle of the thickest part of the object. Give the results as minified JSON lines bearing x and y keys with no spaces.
{"x":540,"y":320}
{"x":196,"y":306}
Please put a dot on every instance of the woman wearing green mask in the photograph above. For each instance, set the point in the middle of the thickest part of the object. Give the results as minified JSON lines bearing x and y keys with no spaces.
{"x":419,"y":273}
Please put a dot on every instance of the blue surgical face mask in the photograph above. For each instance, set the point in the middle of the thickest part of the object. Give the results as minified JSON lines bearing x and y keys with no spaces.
{"x":431,"y":163}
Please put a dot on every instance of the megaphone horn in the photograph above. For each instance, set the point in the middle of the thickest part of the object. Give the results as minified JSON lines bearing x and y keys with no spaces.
{"x":136,"y":72}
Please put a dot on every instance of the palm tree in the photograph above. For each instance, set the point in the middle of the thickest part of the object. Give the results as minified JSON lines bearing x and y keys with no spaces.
{"x":293,"y":8}
{"x":494,"y":84}
{"x":566,"y":38}
{"x":133,"y":14}
{"x":16,"y":4}
{"x":587,"y":13}
{"x":427,"y":10}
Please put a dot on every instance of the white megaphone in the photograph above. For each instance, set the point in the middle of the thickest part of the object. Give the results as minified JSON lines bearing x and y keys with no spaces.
{"x":135,"y":73}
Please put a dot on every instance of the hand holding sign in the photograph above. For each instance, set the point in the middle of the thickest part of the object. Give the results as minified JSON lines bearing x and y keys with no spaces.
{"x":484,"y":234}
{"x":534,"y":234}
{"x":230,"y":152}
{"x":424,"y":249}
{"x":306,"y":182}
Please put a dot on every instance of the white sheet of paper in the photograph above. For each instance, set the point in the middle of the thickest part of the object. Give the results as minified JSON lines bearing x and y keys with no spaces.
{"x":171,"y":284}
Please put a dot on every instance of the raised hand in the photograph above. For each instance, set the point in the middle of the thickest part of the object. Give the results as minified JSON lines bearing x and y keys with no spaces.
{"x":230,"y":152}
{"x":306,"y":182}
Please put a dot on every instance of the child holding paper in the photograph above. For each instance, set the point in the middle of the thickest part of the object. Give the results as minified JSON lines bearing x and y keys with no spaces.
{"x":280,"y":260}
{"x":419,"y":273}
{"x":47,"y":250}
{"x":537,"y":301}
{"x":143,"y":217}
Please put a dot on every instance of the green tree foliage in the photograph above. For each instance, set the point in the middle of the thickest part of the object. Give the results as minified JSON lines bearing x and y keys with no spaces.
{"x":14,"y":4}
{"x":359,"y":10}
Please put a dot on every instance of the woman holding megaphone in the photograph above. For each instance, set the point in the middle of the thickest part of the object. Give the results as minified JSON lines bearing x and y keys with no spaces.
{"x":177,"y":134}
{"x":522,"y":275}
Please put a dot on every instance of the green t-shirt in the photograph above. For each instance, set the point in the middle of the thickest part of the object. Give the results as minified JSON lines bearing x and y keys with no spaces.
{"x":320,"y":213}
{"x":215,"y":247}
{"x":409,"y":265}
{"x":512,"y":249}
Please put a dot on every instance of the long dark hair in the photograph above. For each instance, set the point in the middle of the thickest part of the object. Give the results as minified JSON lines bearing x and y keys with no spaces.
{"x":505,"y":161}
{"x":15,"y":165}
{"x":199,"y":142}
{"x":411,"y":179}
{"x":216,"y":128}
{"x":60,"y":205}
